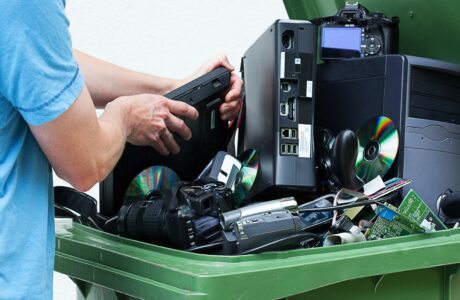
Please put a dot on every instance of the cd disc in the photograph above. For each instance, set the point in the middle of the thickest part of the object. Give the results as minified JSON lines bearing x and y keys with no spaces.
{"x":378,"y":142}
{"x":153,"y":178}
{"x":247,"y":175}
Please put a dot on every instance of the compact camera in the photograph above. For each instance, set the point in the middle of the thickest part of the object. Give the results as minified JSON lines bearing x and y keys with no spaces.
{"x":184,"y":219}
{"x":356,"y":32}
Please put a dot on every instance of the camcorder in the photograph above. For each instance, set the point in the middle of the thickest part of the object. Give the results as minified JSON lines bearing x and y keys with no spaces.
{"x":356,"y":32}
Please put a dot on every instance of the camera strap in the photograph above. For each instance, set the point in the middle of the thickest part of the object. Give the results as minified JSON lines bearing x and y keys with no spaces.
{"x":69,"y":202}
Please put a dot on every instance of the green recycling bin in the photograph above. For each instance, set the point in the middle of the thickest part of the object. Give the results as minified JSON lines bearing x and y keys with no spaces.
{"x":104,"y":266}
{"x":427,"y":28}
{"x":422,"y":266}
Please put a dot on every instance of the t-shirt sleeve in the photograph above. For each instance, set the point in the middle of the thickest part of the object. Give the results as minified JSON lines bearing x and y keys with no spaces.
{"x":38,"y":73}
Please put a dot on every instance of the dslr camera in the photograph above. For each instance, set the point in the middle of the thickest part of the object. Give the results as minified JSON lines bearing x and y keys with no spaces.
{"x":356,"y":32}
{"x":186,"y":218}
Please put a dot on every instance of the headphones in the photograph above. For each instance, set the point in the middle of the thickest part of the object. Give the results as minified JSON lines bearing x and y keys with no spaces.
{"x":337,"y":159}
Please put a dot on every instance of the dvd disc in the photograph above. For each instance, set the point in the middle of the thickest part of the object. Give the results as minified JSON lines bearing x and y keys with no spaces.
{"x":247,"y":175}
{"x":378,"y":142}
{"x":153,"y":178}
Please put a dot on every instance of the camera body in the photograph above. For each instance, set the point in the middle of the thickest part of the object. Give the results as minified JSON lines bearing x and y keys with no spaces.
{"x":184,"y":219}
{"x":193,"y":219}
{"x":356,"y":32}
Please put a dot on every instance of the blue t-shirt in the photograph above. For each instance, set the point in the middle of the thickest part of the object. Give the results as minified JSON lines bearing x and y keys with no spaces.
{"x":39,"y":80}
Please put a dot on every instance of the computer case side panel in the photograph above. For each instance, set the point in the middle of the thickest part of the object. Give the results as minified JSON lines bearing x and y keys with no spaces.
{"x":259,"y":63}
{"x":279,"y":77}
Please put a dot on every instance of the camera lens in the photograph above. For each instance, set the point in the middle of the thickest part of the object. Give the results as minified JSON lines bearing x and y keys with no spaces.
{"x":142,"y":220}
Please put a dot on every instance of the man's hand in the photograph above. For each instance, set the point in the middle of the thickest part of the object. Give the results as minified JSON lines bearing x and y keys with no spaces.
{"x":153,"y":119}
{"x":228,"y":110}
{"x":83,"y":149}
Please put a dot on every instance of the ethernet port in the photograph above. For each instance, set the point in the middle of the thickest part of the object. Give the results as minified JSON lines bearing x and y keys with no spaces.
{"x":285,"y":133}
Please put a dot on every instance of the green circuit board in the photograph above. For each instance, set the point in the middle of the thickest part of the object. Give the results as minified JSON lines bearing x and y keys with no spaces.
{"x":415,"y":208}
{"x":390,"y":223}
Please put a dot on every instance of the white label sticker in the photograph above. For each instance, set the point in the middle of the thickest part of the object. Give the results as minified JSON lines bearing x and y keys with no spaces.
{"x":373,"y":186}
{"x":297,"y":61}
{"x":305,"y":140}
{"x":309,"y":90}
{"x":282,"y":64}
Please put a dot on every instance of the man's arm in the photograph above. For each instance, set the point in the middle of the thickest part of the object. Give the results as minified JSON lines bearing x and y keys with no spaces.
{"x":83,"y":149}
{"x":106,"y":81}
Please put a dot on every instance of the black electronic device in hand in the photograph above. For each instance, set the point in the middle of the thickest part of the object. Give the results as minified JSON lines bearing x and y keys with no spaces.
{"x":209,"y":135}
{"x":198,"y":91}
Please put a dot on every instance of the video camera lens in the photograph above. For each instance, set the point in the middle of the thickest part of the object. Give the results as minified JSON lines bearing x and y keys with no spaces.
{"x":143,"y":220}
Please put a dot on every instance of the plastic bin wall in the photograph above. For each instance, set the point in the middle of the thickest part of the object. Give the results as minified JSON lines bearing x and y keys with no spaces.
{"x":427,"y":28}
{"x":104,"y":266}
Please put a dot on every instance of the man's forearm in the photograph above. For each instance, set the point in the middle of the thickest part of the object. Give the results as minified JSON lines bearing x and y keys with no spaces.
{"x":106,"y":81}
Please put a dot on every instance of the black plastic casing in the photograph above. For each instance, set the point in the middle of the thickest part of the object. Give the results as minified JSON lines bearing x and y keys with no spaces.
{"x":268,"y":65}
{"x":209,"y":135}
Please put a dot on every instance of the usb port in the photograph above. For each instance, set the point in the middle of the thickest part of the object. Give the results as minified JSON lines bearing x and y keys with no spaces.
{"x":289,"y":149}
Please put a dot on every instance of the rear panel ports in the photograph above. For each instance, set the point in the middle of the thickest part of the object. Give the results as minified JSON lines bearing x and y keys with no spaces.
{"x":284,"y":109}
{"x":288,"y":109}
{"x":288,"y":133}
{"x":289,"y":149}
{"x":285,"y":86}
{"x":291,"y":108}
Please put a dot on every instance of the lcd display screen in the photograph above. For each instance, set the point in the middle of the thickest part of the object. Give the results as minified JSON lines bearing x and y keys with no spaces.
{"x":341,"y":38}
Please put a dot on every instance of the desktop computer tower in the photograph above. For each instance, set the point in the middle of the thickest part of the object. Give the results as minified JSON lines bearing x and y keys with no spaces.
{"x":279,"y":73}
{"x":421,"y":96}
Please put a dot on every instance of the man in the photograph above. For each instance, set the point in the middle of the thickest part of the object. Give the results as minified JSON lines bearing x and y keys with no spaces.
{"x":48,"y":95}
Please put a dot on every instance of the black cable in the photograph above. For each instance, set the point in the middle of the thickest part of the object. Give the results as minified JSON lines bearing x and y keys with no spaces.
{"x":205,"y":247}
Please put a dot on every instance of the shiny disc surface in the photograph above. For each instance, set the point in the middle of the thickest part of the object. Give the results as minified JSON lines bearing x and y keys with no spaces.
{"x":153,"y":178}
{"x":378,"y":142}
{"x":247,"y":175}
